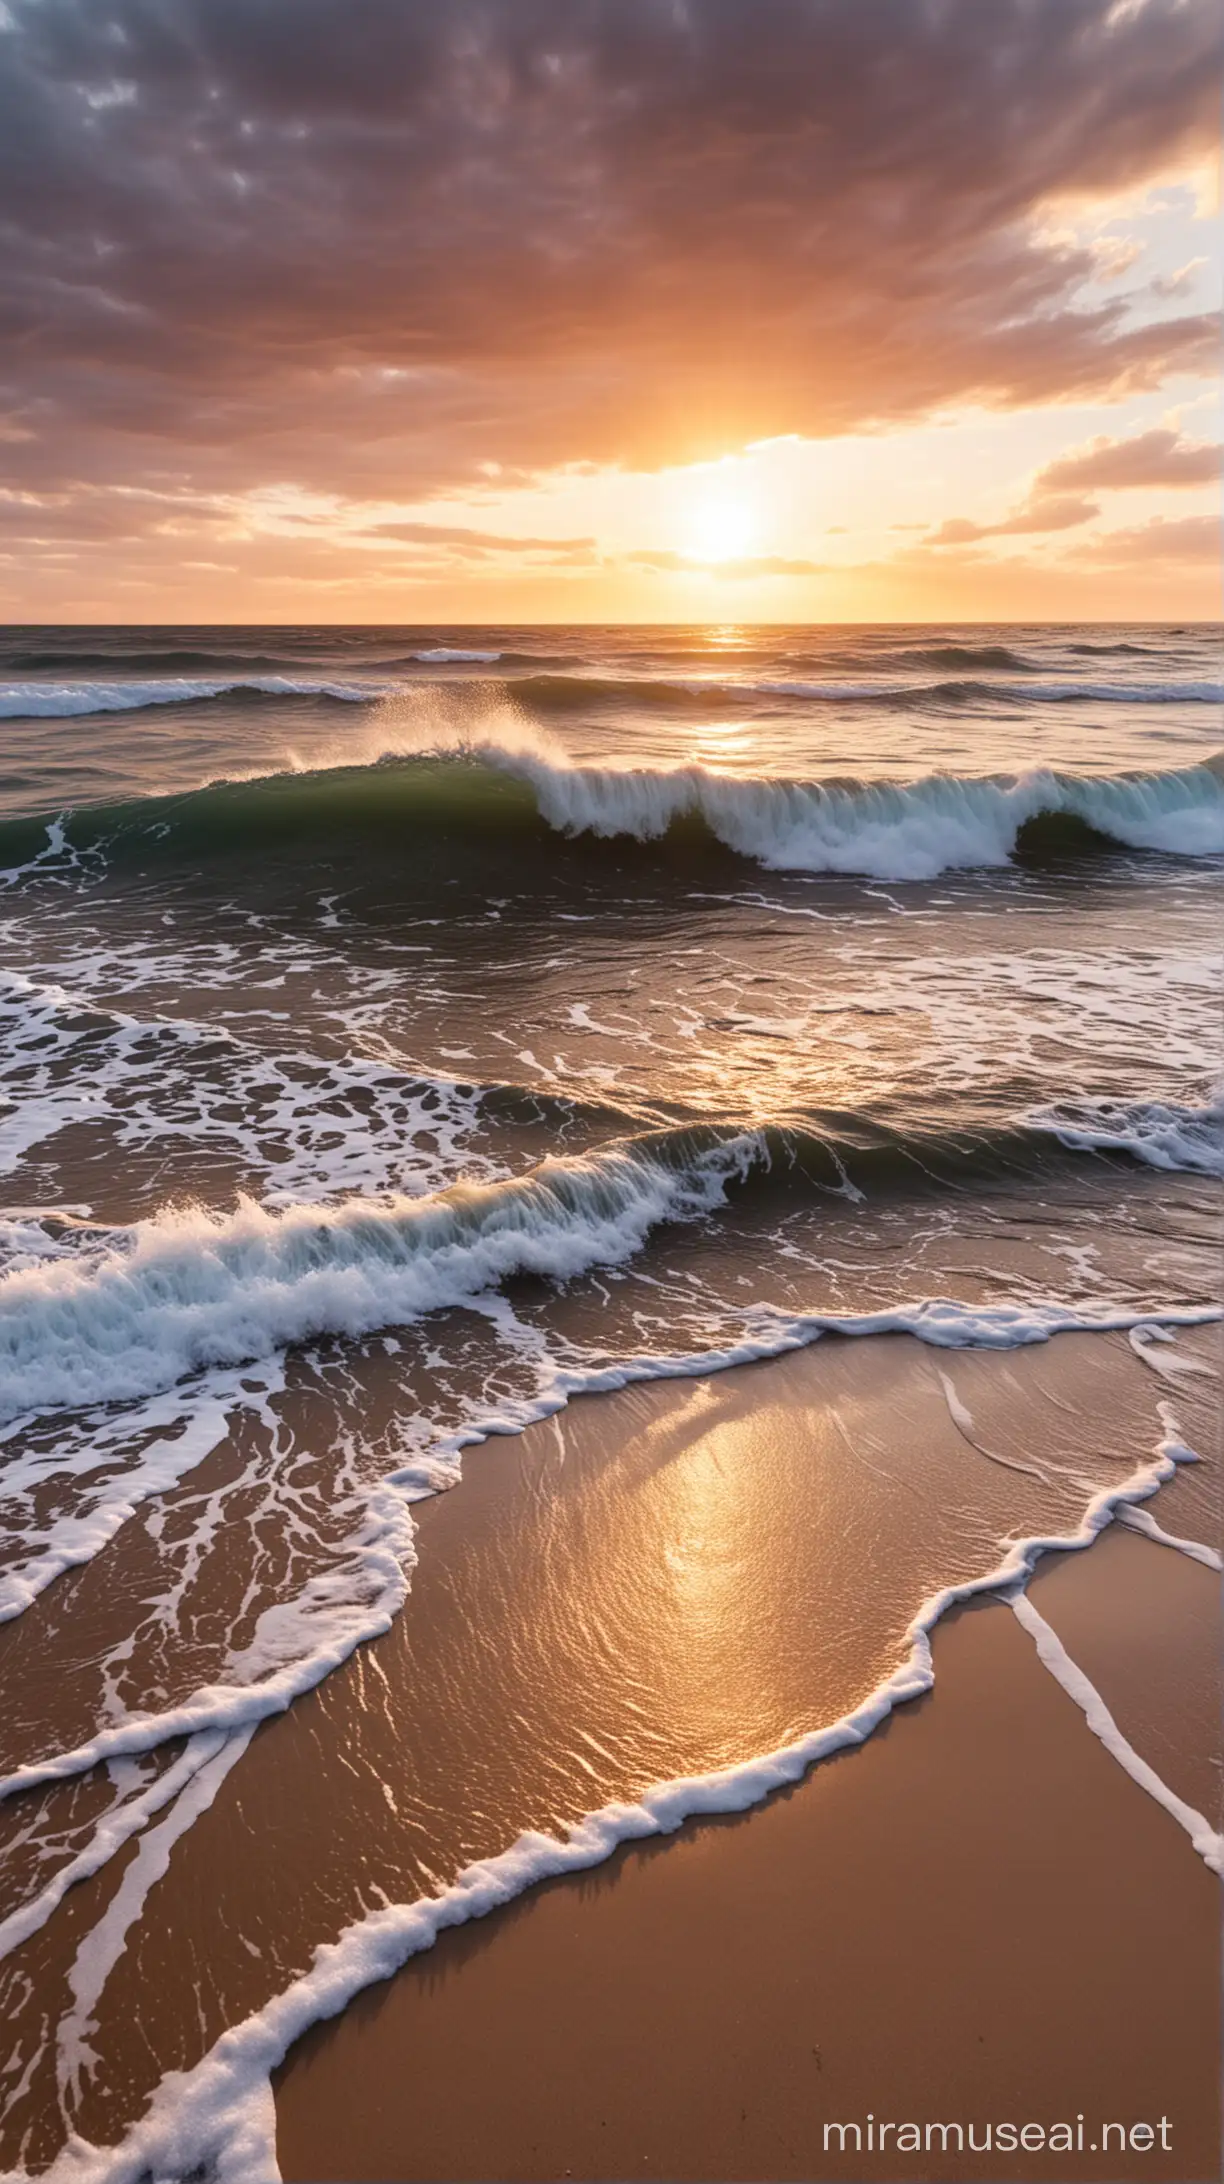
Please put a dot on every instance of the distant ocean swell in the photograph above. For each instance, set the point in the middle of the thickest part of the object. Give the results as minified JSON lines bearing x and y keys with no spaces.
{"x":556,"y":692}
{"x":498,"y":792}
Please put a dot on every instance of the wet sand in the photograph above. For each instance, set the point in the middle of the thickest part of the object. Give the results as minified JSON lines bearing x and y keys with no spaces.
{"x":977,"y":1917}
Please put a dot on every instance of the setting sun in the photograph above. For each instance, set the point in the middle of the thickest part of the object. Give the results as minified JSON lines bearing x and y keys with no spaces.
{"x":720,"y":528}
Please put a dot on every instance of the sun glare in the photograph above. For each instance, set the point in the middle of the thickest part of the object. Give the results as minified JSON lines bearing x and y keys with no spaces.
{"x":721,"y":529}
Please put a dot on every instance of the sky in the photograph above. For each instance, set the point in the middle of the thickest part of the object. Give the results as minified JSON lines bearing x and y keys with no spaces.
{"x":608,"y":310}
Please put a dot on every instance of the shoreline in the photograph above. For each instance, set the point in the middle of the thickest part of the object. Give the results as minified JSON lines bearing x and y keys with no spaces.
{"x":646,"y":2019}
{"x":714,"y":1563}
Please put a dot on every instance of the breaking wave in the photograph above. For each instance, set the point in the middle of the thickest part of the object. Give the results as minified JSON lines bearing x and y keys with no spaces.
{"x":1161,"y":1133}
{"x":888,"y":830}
{"x":878,"y":829}
{"x":143,"y":1308}
{"x":67,"y":701}
{"x":192,"y":1289}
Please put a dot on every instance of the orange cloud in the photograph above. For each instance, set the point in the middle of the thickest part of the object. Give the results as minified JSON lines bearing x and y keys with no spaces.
{"x":746,"y":566}
{"x":1190,"y":539}
{"x":248,"y":243}
{"x":1160,"y":458}
{"x":1042,"y":514}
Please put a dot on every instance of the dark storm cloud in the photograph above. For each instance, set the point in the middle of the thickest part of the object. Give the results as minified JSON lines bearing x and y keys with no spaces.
{"x":372,"y":248}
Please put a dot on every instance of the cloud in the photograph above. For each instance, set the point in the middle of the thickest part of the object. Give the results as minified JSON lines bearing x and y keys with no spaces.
{"x":474,"y":545}
{"x":1157,"y":458}
{"x":249,"y":241}
{"x":1181,"y":539}
{"x":1044,"y":514}
{"x":1177,"y":284}
{"x":748,"y":565}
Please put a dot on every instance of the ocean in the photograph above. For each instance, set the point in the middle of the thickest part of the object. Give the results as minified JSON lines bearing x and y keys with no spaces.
{"x":546,"y":1172}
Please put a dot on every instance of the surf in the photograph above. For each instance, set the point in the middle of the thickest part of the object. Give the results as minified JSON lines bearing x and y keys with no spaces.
{"x":190,"y":1289}
{"x":518,"y":794}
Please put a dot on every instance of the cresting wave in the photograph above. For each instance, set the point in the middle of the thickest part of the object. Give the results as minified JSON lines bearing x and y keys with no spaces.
{"x":190,"y":1290}
{"x":1161,"y":1133}
{"x":889,"y":830}
{"x":880,"y":829}
{"x":219,"y":2117}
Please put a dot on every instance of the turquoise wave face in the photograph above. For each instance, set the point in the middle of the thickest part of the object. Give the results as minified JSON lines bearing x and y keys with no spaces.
{"x":528,"y":810}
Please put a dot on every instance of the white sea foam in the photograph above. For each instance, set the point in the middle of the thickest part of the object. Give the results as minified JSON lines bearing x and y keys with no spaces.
{"x":886,"y":830}
{"x":1142,"y":1520}
{"x":443,"y":654}
{"x":211,"y":1760}
{"x":1054,"y":1656}
{"x":192,"y":1289}
{"x":64,"y":700}
{"x":304,"y":1125}
{"x":126,"y":1459}
{"x":219,"y":2117}
{"x":1161,"y":1133}
{"x":115,"y":1830}
{"x":300,"y":1643}
{"x":880,"y":829}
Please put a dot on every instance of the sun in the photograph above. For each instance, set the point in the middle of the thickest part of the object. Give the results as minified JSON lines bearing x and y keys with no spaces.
{"x":721,"y":528}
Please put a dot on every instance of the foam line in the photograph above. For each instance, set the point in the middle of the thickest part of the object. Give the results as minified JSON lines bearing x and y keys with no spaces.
{"x":1142,"y":1520}
{"x":72,"y":1541}
{"x":1144,"y":1342}
{"x":1055,"y":1657}
{"x":939,"y":1322}
{"x":336,"y":1631}
{"x":109,"y":1836}
{"x":103,"y":1945}
{"x":219,"y":2118}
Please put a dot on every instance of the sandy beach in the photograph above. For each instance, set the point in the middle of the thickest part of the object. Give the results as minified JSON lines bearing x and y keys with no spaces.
{"x":976,"y":1917}
{"x":976,"y":1908}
